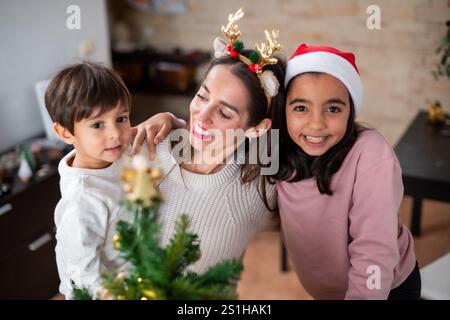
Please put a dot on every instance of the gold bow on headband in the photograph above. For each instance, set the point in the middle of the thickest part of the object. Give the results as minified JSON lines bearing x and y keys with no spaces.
{"x":262,"y":56}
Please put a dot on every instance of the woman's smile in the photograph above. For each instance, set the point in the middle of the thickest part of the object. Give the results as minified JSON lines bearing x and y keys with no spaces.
{"x":200,"y":132}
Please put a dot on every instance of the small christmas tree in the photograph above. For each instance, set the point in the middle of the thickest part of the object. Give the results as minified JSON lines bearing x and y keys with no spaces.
{"x":156,"y":272}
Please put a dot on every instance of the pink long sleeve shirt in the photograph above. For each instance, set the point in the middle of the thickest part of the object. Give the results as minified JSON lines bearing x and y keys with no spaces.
{"x":350,"y":245}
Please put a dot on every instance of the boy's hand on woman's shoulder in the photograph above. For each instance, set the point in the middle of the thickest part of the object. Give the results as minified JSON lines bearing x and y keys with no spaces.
{"x":154,"y":130}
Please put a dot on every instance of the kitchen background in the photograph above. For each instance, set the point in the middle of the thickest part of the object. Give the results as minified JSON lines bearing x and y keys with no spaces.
{"x":162,"y":48}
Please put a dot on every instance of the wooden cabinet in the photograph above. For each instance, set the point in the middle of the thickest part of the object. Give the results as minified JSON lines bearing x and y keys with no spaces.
{"x":27,"y":240}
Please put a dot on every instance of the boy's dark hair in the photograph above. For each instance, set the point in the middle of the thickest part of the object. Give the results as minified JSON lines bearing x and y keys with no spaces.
{"x":78,"y":90}
{"x":296,"y":165}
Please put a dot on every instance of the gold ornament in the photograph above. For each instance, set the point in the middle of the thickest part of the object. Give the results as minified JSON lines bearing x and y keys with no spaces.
{"x":155,"y":174}
{"x":143,"y":189}
{"x":140,"y":181}
{"x":116,"y":241}
{"x":120,"y":277}
{"x":120,"y":297}
{"x":105,"y":295}
{"x":128,"y":174}
{"x":149,"y":294}
{"x":436,"y":115}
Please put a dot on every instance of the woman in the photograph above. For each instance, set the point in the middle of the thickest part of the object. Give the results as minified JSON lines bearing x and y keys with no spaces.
{"x":227,"y":202}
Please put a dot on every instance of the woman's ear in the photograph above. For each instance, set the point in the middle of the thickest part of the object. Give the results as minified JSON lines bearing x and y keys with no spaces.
{"x":259,"y":129}
{"x":63,"y":133}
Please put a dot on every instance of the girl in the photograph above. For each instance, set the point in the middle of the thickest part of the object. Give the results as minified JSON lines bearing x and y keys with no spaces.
{"x":340,"y":186}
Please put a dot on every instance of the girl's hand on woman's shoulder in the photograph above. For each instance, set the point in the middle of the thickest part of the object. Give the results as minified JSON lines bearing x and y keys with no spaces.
{"x":154,"y":130}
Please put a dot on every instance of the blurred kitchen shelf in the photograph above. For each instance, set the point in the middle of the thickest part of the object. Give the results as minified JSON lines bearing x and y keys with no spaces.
{"x":192,"y":57}
{"x":27,"y":235}
{"x":153,"y":72}
{"x":158,"y":89}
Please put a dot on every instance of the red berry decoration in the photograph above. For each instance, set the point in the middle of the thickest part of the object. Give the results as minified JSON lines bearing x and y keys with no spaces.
{"x":234,"y":54}
{"x":255,"y":68}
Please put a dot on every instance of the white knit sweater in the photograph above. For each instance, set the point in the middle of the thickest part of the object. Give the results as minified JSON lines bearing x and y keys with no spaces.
{"x":224,"y":212}
{"x":85,"y":218}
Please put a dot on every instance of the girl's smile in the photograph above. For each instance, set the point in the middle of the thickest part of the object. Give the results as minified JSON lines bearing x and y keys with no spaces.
{"x":315,"y":142}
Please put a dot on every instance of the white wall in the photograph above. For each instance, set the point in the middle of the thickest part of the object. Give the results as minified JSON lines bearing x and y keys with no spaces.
{"x":34,"y":43}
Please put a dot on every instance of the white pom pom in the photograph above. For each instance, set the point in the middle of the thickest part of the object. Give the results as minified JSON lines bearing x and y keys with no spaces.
{"x":140,"y":163}
{"x":269,"y":83}
{"x":219,"y":47}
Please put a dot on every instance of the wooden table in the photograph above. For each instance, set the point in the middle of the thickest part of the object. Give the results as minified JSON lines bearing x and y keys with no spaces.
{"x":424,"y":155}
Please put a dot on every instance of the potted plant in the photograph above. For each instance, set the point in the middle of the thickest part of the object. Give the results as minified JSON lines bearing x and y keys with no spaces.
{"x":436,"y":115}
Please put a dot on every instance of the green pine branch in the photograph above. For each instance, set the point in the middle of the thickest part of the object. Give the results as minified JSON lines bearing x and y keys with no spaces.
{"x":226,"y":273}
{"x":160,"y":273}
{"x":187,"y":289}
{"x":82,"y":294}
{"x":183,"y":249}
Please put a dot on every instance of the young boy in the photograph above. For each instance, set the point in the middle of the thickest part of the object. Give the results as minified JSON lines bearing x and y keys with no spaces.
{"x":89,"y":105}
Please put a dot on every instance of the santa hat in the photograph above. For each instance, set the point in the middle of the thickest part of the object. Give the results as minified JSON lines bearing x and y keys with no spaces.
{"x":327,"y":60}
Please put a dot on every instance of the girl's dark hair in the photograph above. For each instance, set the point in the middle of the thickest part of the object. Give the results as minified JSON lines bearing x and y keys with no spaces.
{"x":258,"y":109}
{"x":295,"y":164}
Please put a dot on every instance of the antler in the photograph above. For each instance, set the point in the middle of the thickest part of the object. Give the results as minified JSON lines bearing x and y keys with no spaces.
{"x":268,"y":48}
{"x":231,"y":31}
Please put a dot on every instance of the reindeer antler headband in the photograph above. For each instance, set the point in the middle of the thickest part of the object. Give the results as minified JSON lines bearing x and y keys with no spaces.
{"x":257,"y":59}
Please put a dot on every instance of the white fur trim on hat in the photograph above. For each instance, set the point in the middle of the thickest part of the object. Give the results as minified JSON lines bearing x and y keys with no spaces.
{"x":331,"y":64}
